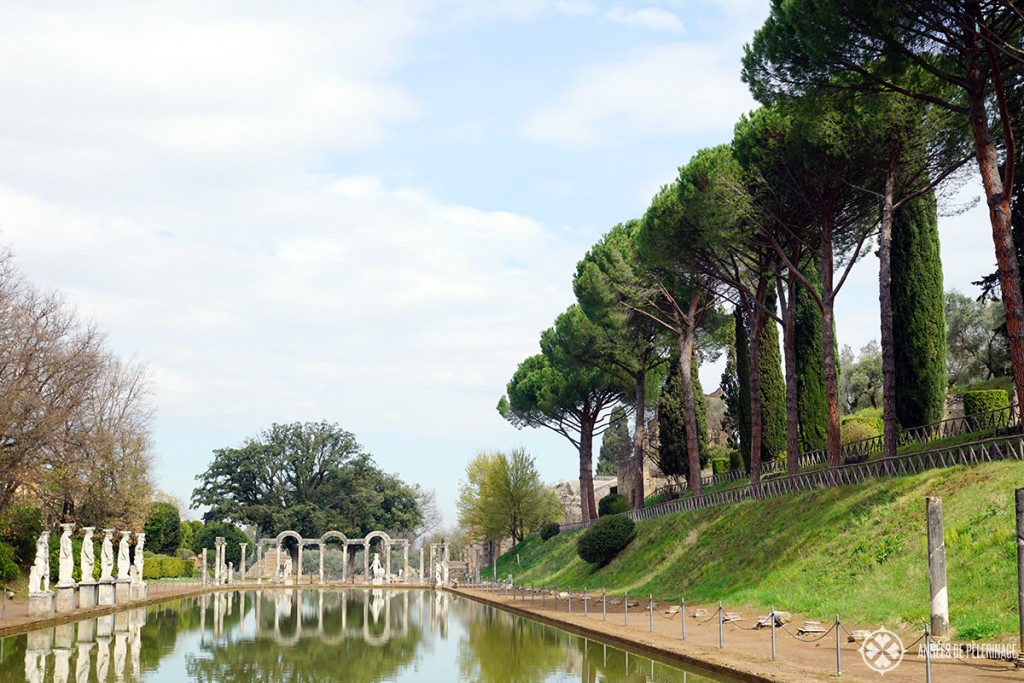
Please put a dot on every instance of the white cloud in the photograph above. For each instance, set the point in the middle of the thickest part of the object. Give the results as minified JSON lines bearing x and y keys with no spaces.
{"x":652,"y":18}
{"x":675,"y":89}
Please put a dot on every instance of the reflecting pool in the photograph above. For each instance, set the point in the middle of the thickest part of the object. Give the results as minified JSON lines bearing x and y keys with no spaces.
{"x":285,"y":635}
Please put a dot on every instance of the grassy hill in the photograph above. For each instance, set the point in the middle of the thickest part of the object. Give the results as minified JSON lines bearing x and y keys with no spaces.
{"x":859,"y":551}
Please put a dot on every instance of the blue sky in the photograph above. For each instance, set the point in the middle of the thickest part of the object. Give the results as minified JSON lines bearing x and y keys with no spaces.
{"x":363,"y":212}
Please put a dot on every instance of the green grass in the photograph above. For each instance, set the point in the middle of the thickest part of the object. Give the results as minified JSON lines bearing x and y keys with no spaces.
{"x":859,"y":551}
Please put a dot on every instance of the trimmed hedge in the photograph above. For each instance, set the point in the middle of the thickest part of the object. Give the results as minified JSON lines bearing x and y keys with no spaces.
{"x":719,"y":465}
{"x":612,"y":504}
{"x":8,"y":567}
{"x":605,"y":538}
{"x":549,"y":530}
{"x":164,"y":567}
{"x":980,"y":402}
{"x":859,"y":428}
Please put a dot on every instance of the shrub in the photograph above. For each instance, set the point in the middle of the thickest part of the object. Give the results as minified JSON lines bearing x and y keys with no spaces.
{"x":605,"y":538}
{"x":20,"y":526}
{"x":8,"y":567}
{"x":859,"y":428}
{"x":549,"y":530}
{"x":612,"y":504}
{"x":719,"y":465}
{"x":983,"y":404}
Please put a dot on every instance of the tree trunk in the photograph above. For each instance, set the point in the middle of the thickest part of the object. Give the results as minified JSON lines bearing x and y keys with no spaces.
{"x":890,"y":431}
{"x":757,"y":318}
{"x":787,"y":305}
{"x":588,"y":508}
{"x":1002,"y":234}
{"x":686,"y":341}
{"x":639,"y":425}
{"x":828,"y":351}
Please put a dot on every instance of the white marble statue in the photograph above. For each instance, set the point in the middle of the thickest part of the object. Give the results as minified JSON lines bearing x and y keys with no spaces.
{"x":107,"y":556}
{"x":39,"y":574}
{"x":140,"y":558}
{"x":66,"y":562}
{"x":88,"y":556}
{"x":376,"y":569}
{"x":123,"y":563}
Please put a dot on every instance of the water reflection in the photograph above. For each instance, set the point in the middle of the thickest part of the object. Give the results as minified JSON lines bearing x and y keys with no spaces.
{"x":285,"y":635}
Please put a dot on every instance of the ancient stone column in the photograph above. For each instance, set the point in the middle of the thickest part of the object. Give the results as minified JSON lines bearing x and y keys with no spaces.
{"x":243,"y":546}
{"x":205,"y":578}
{"x":259,"y":564}
{"x":298,"y":569}
{"x":219,"y":546}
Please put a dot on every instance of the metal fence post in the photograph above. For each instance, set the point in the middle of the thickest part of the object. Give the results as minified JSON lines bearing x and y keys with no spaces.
{"x":568,"y":592}
{"x":625,"y":609}
{"x":721,"y":627}
{"x":773,"y":633}
{"x":682,"y":614}
{"x":650,"y":607}
{"x":584,"y":601}
{"x":839,"y":652}
{"x":927,"y":654}
{"x":604,"y":604}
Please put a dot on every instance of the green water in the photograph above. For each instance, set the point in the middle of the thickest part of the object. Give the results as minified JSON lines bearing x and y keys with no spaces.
{"x":309,"y":635}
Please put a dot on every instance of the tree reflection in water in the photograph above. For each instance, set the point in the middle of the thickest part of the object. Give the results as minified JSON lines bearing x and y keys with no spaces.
{"x":285,"y":635}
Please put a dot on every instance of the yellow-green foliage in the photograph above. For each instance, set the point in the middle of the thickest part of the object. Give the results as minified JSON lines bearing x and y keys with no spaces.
{"x":859,"y":551}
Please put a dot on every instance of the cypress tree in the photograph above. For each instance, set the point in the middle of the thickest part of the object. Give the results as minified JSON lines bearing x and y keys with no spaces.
{"x":773,"y":388}
{"x":673,"y":458}
{"x":743,"y":380}
{"x":810,"y":377}
{"x":616,"y":444}
{"x":919,"y":320}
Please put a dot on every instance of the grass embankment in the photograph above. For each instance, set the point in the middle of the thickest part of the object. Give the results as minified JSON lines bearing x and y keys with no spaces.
{"x":859,"y":551}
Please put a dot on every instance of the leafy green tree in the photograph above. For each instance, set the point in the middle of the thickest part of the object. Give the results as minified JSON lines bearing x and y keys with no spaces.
{"x":163,"y":528}
{"x":561,"y":389}
{"x":810,"y":369}
{"x":616,"y":445}
{"x":672,"y":457}
{"x":680,"y":297}
{"x":233,"y":537}
{"x":503,"y":496}
{"x":607,"y":281}
{"x":310,"y":477}
{"x":976,"y":349}
{"x":861,"y":384}
{"x":971,"y":49}
{"x":918,"y":312}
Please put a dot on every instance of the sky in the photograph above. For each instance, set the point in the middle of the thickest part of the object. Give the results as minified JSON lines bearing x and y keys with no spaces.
{"x":359,"y":212}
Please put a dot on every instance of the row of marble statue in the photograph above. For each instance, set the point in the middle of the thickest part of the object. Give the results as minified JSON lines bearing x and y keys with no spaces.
{"x":39,"y":575}
{"x":87,"y":593}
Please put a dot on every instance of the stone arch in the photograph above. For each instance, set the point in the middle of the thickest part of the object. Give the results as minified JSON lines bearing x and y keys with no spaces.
{"x":277,"y":541}
{"x":366,"y":554}
{"x":344,"y":560}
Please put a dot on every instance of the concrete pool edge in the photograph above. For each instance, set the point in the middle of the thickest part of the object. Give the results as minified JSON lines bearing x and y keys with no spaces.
{"x":702,"y":666}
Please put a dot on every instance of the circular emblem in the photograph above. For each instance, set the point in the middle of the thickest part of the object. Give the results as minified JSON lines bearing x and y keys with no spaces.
{"x":882,"y":651}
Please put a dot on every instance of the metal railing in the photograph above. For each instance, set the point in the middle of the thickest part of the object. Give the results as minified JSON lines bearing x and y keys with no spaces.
{"x":1001,"y":418}
{"x":988,"y":450}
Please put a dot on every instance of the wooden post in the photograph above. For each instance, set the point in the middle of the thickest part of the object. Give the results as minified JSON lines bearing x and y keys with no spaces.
{"x":937,"y":568}
{"x":1019,"y":500}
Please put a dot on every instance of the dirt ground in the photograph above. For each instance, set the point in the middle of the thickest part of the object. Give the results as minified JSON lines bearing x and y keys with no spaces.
{"x":747,"y":652}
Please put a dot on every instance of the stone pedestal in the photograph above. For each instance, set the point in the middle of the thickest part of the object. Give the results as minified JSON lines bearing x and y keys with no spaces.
{"x":122,"y":591}
{"x":87,"y":598}
{"x":106,"y":592}
{"x":139,"y":591}
{"x":41,"y":604}
{"x":65,"y":602}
